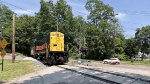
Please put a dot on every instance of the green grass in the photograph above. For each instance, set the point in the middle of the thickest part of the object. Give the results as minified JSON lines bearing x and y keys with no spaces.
{"x":16,"y":69}
{"x":145,"y":62}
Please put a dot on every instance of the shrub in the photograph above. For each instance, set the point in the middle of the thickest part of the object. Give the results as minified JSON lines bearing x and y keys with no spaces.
{"x":122,"y":57}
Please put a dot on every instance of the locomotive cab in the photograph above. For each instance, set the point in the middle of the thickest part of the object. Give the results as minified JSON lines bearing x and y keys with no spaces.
{"x":56,"y":42}
{"x":52,"y":52}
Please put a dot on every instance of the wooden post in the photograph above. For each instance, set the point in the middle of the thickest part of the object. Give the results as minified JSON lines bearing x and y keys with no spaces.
{"x":46,"y":49}
{"x":2,"y":62}
{"x":57,"y":23}
{"x":13,"y":40}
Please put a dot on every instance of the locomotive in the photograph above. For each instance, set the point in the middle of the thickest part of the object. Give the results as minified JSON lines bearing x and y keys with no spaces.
{"x":51,"y":52}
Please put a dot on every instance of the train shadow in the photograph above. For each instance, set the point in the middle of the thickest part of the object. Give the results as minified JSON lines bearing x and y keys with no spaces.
{"x":1,"y":82}
{"x":61,"y":77}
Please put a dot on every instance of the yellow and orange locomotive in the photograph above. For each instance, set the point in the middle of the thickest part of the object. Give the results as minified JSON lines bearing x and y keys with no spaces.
{"x":51,"y":52}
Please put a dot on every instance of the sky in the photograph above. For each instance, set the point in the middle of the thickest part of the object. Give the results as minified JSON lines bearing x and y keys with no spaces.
{"x":132,"y":14}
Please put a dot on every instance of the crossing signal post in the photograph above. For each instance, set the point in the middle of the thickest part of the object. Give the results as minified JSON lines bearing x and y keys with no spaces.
{"x":3,"y":44}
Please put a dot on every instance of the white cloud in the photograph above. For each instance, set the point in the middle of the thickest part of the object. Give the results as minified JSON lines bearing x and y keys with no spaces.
{"x":121,"y":16}
{"x":20,"y":12}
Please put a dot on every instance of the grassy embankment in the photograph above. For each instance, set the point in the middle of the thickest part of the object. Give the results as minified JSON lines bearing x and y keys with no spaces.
{"x":19,"y":68}
{"x":145,"y":62}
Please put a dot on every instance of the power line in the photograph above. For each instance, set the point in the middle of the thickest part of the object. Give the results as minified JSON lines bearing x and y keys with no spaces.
{"x":31,"y":11}
{"x":125,"y":11}
{"x":146,"y":13}
{"x":16,"y":7}
{"x":80,"y":12}
{"x":135,"y":12}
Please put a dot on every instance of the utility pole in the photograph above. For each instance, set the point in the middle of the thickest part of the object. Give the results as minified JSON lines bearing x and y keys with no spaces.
{"x":84,"y":41}
{"x":13,"y":40}
{"x":1,"y":48}
{"x":114,"y":40}
{"x":57,"y":22}
{"x":57,"y":25}
{"x":114,"y":25}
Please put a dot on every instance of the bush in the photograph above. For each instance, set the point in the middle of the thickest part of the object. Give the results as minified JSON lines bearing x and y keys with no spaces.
{"x":73,"y":53}
{"x":75,"y":56}
{"x":122,"y":57}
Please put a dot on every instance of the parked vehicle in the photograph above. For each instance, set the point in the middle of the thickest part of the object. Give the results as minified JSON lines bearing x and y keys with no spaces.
{"x":111,"y":61}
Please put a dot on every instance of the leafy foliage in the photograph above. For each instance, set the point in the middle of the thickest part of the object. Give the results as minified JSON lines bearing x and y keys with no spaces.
{"x":5,"y":20}
{"x":131,"y":48}
{"x":107,"y":31}
{"x":98,"y":11}
{"x":143,"y":39}
{"x":101,"y":35}
{"x":25,"y":33}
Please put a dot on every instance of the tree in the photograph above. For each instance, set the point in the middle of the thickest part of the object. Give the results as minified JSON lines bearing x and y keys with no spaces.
{"x":6,"y":23}
{"x":131,"y":47}
{"x":142,"y":37}
{"x":99,"y":11}
{"x":100,"y":35}
{"x":5,"y":16}
{"x":52,"y":16}
{"x":25,"y":33}
{"x":79,"y":31}
{"x":119,"y":45}
{"x":107,"y":28}
{"x":46,"y":21}
{"x":64,"y":17}
{"x":95,"y":46}
{"x":5,"y":20}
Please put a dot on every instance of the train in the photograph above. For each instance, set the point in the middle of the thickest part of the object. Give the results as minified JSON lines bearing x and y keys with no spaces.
{"x":51,"y":52}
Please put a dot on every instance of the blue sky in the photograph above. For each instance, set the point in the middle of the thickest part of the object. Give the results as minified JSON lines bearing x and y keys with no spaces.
{"x":132,"y":14}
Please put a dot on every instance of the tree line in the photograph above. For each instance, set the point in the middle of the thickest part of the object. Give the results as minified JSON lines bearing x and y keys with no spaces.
{"x":100,"y":34}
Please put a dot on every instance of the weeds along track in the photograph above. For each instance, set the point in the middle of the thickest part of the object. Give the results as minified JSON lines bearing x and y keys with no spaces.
{"x":108,"y":77}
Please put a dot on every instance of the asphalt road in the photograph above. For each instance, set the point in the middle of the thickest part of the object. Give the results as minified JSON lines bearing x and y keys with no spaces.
{"x":121,"y":68}
{"x":55,"y":75}
{"x":125,"y":68}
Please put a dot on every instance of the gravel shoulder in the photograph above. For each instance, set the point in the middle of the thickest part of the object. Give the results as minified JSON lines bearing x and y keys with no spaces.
{"x":55,"y":75}
{"x":121,"y":68}
{"x":37,"y":74}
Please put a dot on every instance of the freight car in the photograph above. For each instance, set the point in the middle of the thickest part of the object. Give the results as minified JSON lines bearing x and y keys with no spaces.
{"x":51,"y":52}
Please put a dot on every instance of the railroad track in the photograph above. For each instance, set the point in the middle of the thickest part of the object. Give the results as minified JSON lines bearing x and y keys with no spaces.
{"x":108,"y":77}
